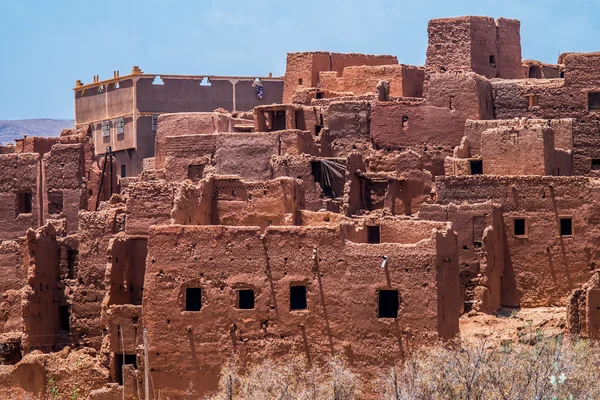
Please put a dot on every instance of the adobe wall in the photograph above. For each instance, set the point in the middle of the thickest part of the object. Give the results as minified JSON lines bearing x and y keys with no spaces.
{"x":481,"y":250}
{"x":20,"y":180}
{"x":64,"y":188}
{"x":563,"y":130}
{"x":479,"y":44}
{"x":42,"y":297}
{"x":347,"y":125}
{"x":14,"y":279}
{"x":525,"y":150}
{"x":405,"y":80}
{"x":35,"y":144}
{"x":96,"y":229}
{"x":149,"y":203}
{"x":582,"y":310}
{"x":436,"y":123}
{"x":180,"y":124}
{"x":246,"y":154}
{"x":238,"y":258}
{"x":302,"y":69}
{"x":542,"y":266}
{"x":243,"y":203}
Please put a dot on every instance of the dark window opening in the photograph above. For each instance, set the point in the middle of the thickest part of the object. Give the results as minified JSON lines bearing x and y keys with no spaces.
{"x":388,"y":304}
{"x":64,"y":318}
{"x":300,"y":123}
{"x":535,"y":72}
{"x":24,"y":203}
{"x":519,"y":226}
{"x":300,"y":81}
{"x":55,"y":202}
{"x":316,"y":168}
{"x":561,"y":74}
{"x":129,"y":359}
{"x":72,"y":256}
{"x":404,"y":122}
{"x":298,"y":298}
{"x":245,"y":299}
{"x":320,"y":95}
{"x":476,"y":167}
{"x":373,"y":234}
{"x":193,"y":299}
{"x":492,"y":62}
{"x":595,"y":163}
{"x":566,"y":226}
{"x":594,"y":101}
{"x":195,"y":172}
{"x":123,"y":171}
{"x":317,"y":130}
{"x":278,"y":120}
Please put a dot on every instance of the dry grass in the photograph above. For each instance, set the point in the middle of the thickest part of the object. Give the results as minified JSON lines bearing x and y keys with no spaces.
{"x":535,"y":368}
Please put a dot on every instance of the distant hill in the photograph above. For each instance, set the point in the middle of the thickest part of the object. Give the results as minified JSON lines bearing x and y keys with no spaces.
{"x":15,"y":129}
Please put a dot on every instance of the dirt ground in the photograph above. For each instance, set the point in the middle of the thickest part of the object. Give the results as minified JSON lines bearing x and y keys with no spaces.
{"x":512,"y":324}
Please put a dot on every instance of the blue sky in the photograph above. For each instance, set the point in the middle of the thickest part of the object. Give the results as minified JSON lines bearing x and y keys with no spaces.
{"x":45,"y":45}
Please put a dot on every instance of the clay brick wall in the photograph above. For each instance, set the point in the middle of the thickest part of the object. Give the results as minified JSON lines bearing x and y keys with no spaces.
{"x":525,"y":150}
{"x":541,"y":267}
{"x":181,"y":124}
{"x":246,"y":154}
{"x":302,"y":69}
{"x":20,"y":197}
{"x":35,"y":144}
{"x":96,"y":229}
{"x":342,"y":290}
{"x":479,"y":44}
{"x":439,"y":121}
{"x":12,"y":254}
{"x":42,"y":297}
{"x":64,"y":188}
{"x":480,"y":255}
{"x":150,"y":202}
{"x":241,"y":203}
{"x":348,"y":126}
{"x":405,"y":80}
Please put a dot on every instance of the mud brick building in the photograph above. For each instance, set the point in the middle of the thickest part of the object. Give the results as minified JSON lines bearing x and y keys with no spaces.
{"x":356,"y":206}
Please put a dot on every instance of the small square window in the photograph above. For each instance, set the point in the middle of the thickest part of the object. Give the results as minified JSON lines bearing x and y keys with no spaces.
{"x":595,"y":163}
{"x":566,"y":226}
{"x":519,"y":226}
{"x":24,"y":203}
{"x":245,"y":299}
{"x":123,"y":171}
{"x":195,"y":172}
{"x":492,"y":61}
{"x":373,"y":234}
{"x":298,"y":298}
{"x":476,"y":167}
{"x":300,"y":81}
{"x":594,"y":101}
{"x":193,"y":299}
{"x":388,"y":304}
{"x":405,"y":121}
